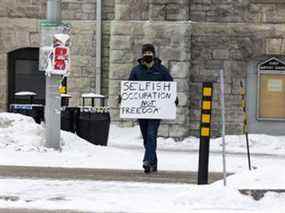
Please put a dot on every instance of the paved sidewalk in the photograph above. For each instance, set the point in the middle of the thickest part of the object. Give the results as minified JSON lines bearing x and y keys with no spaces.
{"x":104,"y":174}
{"x":92,"y":174}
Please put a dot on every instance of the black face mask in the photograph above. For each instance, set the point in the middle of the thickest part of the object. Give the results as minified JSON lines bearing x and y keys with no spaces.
{"x":148,"y":58}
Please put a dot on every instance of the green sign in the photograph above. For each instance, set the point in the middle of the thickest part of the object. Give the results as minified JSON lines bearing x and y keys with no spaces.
{"x":46,"y":23}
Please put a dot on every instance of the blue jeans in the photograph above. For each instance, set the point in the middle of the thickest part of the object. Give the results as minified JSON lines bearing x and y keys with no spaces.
{"x":149,"y":129}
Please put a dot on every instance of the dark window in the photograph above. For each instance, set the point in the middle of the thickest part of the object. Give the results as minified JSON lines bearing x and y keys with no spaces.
{"x":24,"y":75}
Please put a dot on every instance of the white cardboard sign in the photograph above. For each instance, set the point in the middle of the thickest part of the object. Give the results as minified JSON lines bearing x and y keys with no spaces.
{"x":148,"y":99}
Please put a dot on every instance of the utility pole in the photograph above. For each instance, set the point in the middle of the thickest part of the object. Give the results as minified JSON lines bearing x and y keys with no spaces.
{"x":53,"y":99}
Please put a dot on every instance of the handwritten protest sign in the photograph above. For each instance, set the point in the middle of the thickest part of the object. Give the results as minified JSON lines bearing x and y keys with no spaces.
{"x":148,"y":99}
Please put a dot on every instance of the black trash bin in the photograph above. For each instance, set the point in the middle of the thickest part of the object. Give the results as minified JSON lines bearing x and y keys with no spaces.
{"x":36,"y":111}
{"x":69,"y":117}
{"x":93,"y":123}
{"x":65,"y":100}
{"x":68,"y":114}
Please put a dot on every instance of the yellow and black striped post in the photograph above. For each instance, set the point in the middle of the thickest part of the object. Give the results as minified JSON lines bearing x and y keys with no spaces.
{"x":205,"y":132}
{"x":245,"y":120}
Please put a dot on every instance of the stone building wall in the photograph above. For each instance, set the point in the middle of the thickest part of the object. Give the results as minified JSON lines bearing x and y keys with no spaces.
{"x":163,"y":24}
{"x":221,"y":34}
{"x":20,"y":28}
{"x":229,"y":35}
{"x":230,"y":47}
{"x":83,"y":59}
{"x":173,"y":40}
{"x":21,"y":33}
{"x":225,"y":35}
{"x":14,"y":34}
{"x":71,"y":9}
{"x":233,"y":11}
{"x":163,"y":10}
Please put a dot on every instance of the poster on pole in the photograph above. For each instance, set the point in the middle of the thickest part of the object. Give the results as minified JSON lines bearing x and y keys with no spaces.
{"x":60,"y":57}
{"x":148,"y":100}
{"x":47,"y":32}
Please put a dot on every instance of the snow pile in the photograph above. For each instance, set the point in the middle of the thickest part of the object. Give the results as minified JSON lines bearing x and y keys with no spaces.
{"x":98,"y":196}
{"x":265,"y":144}
{"x":258,"y":144}
{"x":22,"y":144}
{"x":20,"y":133}
{"x":267,"y":177}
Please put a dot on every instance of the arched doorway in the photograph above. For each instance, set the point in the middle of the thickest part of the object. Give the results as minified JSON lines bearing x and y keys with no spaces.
{"x":24,"y":75}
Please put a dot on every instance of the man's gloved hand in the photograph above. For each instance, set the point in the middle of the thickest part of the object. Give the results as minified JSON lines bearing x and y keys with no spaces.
{"x":119,"y":99}
{"x":176,"y":101}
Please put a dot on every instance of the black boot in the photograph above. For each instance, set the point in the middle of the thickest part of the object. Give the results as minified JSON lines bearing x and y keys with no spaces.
{"x":153,"y":168}
{"x":147,"y":167}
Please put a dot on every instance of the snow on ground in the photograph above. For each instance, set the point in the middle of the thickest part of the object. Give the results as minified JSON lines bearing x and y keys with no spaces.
{"x":100,"y":196}
{"x":259,"y":144}
{"x":267,"y":177}
{"x":22,"y":143}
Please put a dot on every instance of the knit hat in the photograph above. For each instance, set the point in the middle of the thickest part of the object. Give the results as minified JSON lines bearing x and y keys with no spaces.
{"x":148,"y":47}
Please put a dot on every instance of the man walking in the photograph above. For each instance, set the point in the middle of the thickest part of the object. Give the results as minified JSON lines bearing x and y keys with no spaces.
{"x":149,"y":68}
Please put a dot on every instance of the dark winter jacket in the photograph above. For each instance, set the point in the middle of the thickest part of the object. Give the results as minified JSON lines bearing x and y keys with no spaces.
{"x":157,"y":72}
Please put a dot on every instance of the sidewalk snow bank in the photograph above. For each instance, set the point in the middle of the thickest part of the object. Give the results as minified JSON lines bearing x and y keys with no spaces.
{"x":98,"y":196}
{"x":20,"y":133}
{"x":267,"y":177}
{"x":259,"y":144}
{"x":22,"y":143}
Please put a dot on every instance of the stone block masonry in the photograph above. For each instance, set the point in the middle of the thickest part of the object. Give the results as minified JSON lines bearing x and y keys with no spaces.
{"x":173,"y":42}
{"x":232,"y":11}
{"x":19,"y":33}
{"x":226,"y":34}
{"x":163,"y":10}
{"x":230,"y":47}
{"x":71,"y":9}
